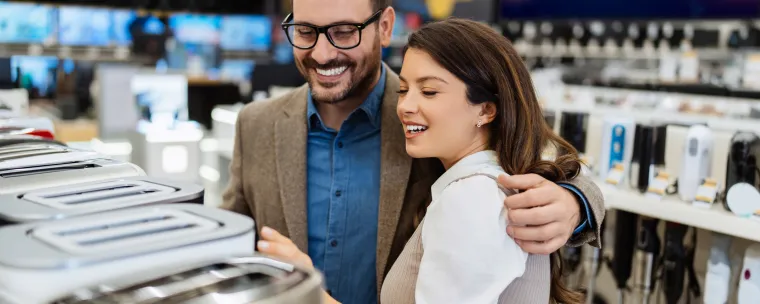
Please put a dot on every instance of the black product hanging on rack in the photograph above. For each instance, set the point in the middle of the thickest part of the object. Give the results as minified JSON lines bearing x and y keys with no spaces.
{"x":625,"y":244}
{"x":647,"y":254}
{"x":678,"y":262}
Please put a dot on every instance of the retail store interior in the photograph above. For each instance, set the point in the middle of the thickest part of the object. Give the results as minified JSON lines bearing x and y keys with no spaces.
{"x":659,"y":98}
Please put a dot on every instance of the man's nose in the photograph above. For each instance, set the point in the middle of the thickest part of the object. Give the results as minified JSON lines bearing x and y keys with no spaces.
{"x":324,"y":51}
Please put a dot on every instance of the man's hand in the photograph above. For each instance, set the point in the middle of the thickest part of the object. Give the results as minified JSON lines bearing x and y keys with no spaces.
{"x":276,"y":245}
{"x":542,"y":216}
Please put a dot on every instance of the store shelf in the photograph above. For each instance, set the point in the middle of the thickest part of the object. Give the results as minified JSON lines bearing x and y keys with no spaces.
{"x":672,"y":209}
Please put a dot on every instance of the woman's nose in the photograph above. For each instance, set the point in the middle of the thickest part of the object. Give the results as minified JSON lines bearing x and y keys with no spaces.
{"x":407,"y":105}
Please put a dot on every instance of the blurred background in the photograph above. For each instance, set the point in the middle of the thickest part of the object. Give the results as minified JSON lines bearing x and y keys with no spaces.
{"x":159,"y":83}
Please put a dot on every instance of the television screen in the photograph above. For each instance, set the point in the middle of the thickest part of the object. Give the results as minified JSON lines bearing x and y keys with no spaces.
{"x":160,"y":99}
{"x":84,"y":26}
{"x":237,"y":69}
{"x":246,"y":33}
{"x":193,"y":28}
{"x":26,"y":23}
{"x":559,"y":9}
{"x":37,"y":74}
{"x":120,"y":21}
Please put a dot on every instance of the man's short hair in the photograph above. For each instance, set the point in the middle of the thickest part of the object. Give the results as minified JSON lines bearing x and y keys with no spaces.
{"x":376,"y":4}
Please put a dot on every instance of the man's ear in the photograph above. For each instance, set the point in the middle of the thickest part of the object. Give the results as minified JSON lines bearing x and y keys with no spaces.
{"x":488,"y":112}
{"x":385,"y":24}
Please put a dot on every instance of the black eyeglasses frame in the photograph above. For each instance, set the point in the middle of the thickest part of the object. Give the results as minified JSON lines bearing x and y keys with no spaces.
{"x":287,"y":22}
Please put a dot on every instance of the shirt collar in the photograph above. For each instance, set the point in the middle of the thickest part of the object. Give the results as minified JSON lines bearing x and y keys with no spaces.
{"x":473,"y":163}
{"x":370,"y":106}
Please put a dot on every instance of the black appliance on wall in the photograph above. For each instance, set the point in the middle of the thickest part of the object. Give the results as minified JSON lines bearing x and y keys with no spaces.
{"x":742,"y":166}
{"x":625,"y":244}
{"x":573,"y":129}
{"x":648,"y":154}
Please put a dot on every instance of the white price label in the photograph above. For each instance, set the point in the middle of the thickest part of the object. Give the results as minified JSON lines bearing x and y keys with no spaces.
{"x":658,"y":187}
{"x":616,"y":175}
{"x":706,"y":193}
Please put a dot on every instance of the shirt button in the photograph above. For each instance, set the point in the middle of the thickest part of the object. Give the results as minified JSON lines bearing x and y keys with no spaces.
{"x":338,"y":193}
{"x":340,"y":144}
{"x":333,"y":243}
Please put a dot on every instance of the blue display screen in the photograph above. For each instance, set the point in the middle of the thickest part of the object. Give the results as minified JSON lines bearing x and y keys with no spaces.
{"x":562,"y":9}
{"x":120,"y":21}
{"x":37,"y":73}
{"x":192,"y":28}
{"x":84,"y":26}
{"x":237,"y":69}
{"x":246,"y":33}
{"x":26,"y":23}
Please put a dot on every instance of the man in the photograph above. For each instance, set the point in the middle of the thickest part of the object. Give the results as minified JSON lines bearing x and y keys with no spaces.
{"x":326,"y":164}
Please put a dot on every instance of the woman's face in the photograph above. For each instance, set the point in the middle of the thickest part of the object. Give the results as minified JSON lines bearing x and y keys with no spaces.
{"x":438,"y":120}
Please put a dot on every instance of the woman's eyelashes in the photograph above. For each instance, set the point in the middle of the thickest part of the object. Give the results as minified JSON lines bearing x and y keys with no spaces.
{"x":428,"y":93}
{"x":424,"y":92}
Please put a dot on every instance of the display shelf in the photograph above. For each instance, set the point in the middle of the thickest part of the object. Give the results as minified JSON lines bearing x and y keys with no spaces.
{"x":672,"y":209}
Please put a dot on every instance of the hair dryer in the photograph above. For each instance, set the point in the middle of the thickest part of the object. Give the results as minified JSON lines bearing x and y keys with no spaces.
{"x":625,"y":243}
{"x":648,"y":246}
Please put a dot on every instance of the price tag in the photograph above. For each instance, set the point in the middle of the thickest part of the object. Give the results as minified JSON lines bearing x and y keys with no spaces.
{"x":706,"y":193}
{"x":616,"y":174}
{"x":689,"y":67}
{"x":658,"y":186}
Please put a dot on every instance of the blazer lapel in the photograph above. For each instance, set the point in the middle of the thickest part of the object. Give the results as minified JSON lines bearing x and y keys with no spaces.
{"x":290,"y":148}
{"x":395,"y":167}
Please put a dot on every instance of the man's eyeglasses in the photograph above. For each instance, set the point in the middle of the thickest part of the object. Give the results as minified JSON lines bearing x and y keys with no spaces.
{"x":341,"y":35}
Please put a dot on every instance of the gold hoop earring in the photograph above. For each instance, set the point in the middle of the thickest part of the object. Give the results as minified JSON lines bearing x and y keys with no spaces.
{"x":480,"y":123}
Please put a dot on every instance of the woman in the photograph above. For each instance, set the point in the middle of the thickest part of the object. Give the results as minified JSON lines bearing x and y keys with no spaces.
{"x":467,"y":99}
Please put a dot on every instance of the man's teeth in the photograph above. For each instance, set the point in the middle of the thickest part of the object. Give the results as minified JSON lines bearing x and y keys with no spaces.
{"x":332,"y":72}
{"x":416,"y":129}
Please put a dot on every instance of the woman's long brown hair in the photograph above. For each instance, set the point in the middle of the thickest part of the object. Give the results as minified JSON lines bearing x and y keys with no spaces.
{"x":493,"y":72}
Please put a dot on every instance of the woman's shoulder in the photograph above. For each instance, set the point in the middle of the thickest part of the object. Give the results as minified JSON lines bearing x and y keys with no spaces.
{"x":481,"y":182}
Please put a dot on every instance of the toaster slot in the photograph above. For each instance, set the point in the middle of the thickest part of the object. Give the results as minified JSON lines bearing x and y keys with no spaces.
{"x":116,"y":232}
{"x":19,"y":155}
{"x":45,"y":169}
{"x":108,"y":193}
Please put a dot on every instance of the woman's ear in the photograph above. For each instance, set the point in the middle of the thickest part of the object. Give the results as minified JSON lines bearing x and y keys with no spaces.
{"x":487,"y":112}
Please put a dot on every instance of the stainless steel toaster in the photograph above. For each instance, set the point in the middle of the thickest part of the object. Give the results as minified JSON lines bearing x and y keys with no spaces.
{"x":94,"y":197}
{"x":49,"y":259}
{"x":239,"y":280}
{"x":35,"y":166}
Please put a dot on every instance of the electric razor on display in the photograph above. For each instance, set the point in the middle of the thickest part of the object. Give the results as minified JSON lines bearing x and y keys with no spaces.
{"x":648,"y":250}
{"x":674,"y":262}
{"x":696,"y":164}
{"x":617,"y":142}
{"x":742,"y":181}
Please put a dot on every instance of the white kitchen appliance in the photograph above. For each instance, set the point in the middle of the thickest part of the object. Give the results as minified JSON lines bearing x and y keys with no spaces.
{"x":50,"y":259}
{"x":94,"y":197}
{"x":697,"y":161}
{"x":37,"y":154}
{"x":617,"y":144}
{"x":28,"y":167}
{"x":749,"y":282}
{"x":718,"y":275}
{"x":238,"y":280}
{"x":39,"y":123}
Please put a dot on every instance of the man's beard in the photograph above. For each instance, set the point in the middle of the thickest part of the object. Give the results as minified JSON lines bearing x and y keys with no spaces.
{"x":359,"y":85}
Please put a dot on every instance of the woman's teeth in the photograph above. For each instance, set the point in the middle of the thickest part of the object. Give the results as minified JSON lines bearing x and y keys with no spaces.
{"x":416,"y":129}
{"x":331,"y":72}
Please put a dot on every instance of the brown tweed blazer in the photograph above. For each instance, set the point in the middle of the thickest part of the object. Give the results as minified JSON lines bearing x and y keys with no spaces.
{"x":268,"y":174}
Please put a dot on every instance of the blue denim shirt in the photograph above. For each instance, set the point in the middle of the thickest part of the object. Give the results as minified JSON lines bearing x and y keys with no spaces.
{"x":343,"y":192}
